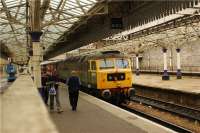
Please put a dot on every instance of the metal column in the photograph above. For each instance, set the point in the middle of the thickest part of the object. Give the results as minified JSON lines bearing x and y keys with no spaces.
{"x":35,"y":36}
{"x":178,"y":74}
{"x":165,"y":72}
{"x":137,"y":65}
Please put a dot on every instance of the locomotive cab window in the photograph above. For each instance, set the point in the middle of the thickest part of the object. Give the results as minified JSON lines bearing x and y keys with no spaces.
{"x":106,"y":64}
{"x":93,"y":65}
{"x":88,"y":65}
{"x":122,"y":63}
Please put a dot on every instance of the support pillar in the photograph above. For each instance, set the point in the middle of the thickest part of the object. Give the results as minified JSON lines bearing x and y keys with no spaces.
{"x":36,"y":59}
{"x":178,"y":74}
{"x":137,"y":65}
{"x":165,"y":72}
{"x":149,"y":67}
{"x":170,"y":61}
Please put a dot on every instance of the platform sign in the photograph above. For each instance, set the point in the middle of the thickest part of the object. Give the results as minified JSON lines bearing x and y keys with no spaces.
{"x":116,"y":23}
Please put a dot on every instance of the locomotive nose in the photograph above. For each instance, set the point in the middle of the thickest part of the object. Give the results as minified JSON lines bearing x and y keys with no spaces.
{"x":116,"y":76}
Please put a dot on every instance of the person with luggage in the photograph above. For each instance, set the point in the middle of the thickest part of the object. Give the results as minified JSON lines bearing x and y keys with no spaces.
{"x":54,"y":92}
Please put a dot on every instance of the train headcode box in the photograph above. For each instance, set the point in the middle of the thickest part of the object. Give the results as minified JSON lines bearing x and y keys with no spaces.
{"x":116,"y":23}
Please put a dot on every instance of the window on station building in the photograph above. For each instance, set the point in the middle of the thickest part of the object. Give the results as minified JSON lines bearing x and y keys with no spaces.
{"x":93,"y":65}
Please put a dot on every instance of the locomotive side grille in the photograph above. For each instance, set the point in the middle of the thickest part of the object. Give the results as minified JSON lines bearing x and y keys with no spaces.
{"x":115,"y":76}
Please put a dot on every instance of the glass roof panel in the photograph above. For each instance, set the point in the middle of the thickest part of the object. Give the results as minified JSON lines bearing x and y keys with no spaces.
{"x":58,"y":18}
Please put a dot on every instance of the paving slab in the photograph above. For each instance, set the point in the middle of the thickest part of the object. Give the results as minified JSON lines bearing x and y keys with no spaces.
{"x":96,"y":116}
{"x":22,"y":109}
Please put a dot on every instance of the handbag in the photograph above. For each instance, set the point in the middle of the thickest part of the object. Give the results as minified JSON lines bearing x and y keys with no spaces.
{"x":52,"y":91}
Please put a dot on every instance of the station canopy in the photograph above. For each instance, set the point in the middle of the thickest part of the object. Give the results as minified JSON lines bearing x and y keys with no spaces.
{"x":57,"y":17}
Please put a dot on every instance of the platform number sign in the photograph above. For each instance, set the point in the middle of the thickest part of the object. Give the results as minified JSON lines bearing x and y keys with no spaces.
{"x":116,"y":23}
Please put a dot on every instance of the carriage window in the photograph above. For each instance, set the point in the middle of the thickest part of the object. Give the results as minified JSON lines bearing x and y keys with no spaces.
{"x":122,"y":63}
{"x":106,"y":63}
{"x":93,"y":65}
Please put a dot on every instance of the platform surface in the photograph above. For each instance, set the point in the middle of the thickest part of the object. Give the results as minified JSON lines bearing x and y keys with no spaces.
{"x":22,"y":109}
{"x":96,"y":116}
{"x":186,"y":84}
{"x":3,"y":84}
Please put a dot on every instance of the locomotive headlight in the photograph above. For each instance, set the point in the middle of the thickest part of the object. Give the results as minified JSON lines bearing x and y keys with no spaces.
{"x":110,"y":77}
{"x":122,"y":77}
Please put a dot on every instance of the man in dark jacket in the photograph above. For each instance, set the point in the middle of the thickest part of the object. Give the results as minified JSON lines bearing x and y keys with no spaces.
{"x":73,"y":89}
{"x":45,"y":92}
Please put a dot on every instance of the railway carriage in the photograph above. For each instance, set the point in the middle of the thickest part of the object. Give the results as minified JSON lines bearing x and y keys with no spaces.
{"x":106,"y":74}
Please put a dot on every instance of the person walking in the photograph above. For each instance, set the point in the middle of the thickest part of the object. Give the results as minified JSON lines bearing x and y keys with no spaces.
{"x":73,"y":89}
{"x":59,"y":108}
{"x":45,"y":91}
{"x":54,"y":92}
{"x":52,"y":95}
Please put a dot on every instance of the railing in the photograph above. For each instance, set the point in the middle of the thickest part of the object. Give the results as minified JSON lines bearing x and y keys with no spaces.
{"x":184,"y":69}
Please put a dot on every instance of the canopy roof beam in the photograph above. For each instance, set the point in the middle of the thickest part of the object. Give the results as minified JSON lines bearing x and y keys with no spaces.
{"x":44,"y":7}
{"x":9,"y":17}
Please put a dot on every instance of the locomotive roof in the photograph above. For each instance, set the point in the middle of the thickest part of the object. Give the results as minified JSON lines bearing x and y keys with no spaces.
{"x":49,"y":62}
{"x":90,"y":56}
{"x":97,"y":55}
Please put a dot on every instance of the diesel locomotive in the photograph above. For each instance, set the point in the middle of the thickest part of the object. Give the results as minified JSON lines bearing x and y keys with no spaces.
{"x":106,"y":74}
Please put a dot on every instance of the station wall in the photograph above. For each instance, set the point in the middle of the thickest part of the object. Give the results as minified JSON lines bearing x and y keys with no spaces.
{"x":152,"y":59}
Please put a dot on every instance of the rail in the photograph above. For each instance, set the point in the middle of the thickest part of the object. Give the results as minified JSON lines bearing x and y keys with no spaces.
{"x":187,"y":112}
{"x":157,"y":120}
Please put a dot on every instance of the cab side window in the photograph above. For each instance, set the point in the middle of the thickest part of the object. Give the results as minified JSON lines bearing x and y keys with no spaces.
{"x":88,"y":65}
{"x":93,"y":65}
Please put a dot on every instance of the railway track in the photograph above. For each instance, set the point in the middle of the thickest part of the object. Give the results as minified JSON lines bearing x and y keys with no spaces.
{"x":156,"y":119}
{"x":183,"y":111}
